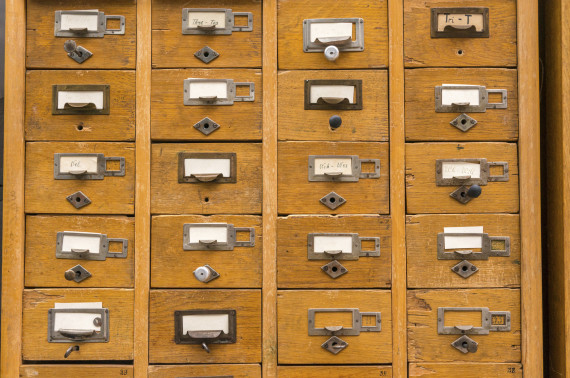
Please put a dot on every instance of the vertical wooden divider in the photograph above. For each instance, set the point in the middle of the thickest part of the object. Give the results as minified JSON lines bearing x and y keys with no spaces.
{"x":269,"y":290}
{"x":13,"y":211}
{"x":529,"y":178}
{"x":397,"y":187}
{"x":142,"y":188}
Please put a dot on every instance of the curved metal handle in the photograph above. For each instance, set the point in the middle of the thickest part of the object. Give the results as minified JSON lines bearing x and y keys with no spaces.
{"x":466,"y":177}
{"x":333,"y":252}
{"x":208,"y":242}
{"x":461,"y":27}
{"x":206,"y":27}
{"x":75,"y":334}
{"x":333,"y":100}
{"x":77,"y":250}
{"x":206,"y":177}
{"x":77,"y":172}
{"x":72,"y":348}
{"x":333,"y":329}
{"x":79,"y":105}
{"x":214,"y":334}
{"x":337,"y":41}
{"x":333,"y":174}
{"x":460,"y":103}
{"x":465,"y":252}
{"x":79,"y":30}
{"x":464,"y":328}
{"x":208,"y":98}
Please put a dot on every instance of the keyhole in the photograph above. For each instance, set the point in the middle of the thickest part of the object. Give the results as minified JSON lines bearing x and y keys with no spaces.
{"x":206,"y":199}
{"x":206,"y":125}
{"x":462,"y":194}
{"x":78,"y":274}
{"x":79,"y":127}
{"x":459,"y":52}
{"x":77,"y":199}
{"x":332,"y":200}
{"x":334,"y":268}
{"x":206,"y":54}
{"x":464,"y":345}
{"x":464,"y":268}
{"x":463,"y":121}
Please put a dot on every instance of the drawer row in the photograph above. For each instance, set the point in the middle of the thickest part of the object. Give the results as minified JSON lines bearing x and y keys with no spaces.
{"x":313,"y":178}
{"x":468,"y":104}
{"x":228,"y":33}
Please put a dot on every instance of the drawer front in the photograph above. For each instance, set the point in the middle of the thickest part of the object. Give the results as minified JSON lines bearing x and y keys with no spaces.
{"x":234,"y":266}
{"x":112,"y":51}
{"x":495,"y":242}
{"x":424,"y":195}
{"x":236,"y":371}
{"x":496,"y":50}
{"x":425,"y":344}
{"x":291,"y":16}
{"x":110,"y":195}
{"x":172,"y":48}
{"x":172,"y":120}
{"x":466,"y":370}
{"x":247,"y":306}
{"x":111,"y":235}
{"x":296,"y":194}
{"x":42,"y":124}
{"x":297,"y":347}
{"x":87,"y":371}
{"x":240,"y":197}
{"x":300,"y":265}
{"x":424,"y":122}
{"x":38,"y":302}
{"x":296,"y":122}
{"x":334,"y":371}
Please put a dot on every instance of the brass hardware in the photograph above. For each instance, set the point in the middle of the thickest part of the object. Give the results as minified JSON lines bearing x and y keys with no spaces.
{"x":84,"y":32}
{"x":459,"y":23}
{"x":334,"y":103}
{"x":216,"y":177}
{"x":81,"y":108}
{"x":193,"y":24}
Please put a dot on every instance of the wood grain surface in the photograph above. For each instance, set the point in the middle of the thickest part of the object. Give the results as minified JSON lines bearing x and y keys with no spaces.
{"x":297,"y":195}
{"x":499,"y":50}
{"x":368,"y":124}
{"x":172,"y":120}
{"x":38,"y":302}
{"x":465,"y":370}
{"x":423,"y":196}
{"x":170,"y":197}
{"x":43,"y":269}
{"x":171,"y":48}
{"x":45,"y":50}
{"x":87,"y":371}
{"x":44,"y":194}
{"x":297,"y":347}
{"x":236,"y":371}
{"x":291,"y":14}
{"x":42,"y":125}
{"x":240,"y":268}
{"x":426,"y":271}
{"x":163,"y":304}
{"x":424,"y":343}
{"x":424,"y":124}
{"x":334,"y":371}
{"x":294,"y":270}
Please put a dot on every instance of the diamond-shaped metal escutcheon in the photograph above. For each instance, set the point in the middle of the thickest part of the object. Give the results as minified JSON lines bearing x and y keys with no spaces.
{"x":78,"y":200}
{"x":332,"y":200}
{"x":465,"y":269}
{"x":334,"y":269}
{"x":465,"y":344}
{"x":206,"y":126}
{"x":335,"y":345}
{"x":464,"y":122}
{"x":77,"y":274}
{"x":206,"y":54}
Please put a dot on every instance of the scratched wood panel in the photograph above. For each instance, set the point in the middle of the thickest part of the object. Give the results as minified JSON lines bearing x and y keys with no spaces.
{"x":171,"y":48}
{"x":297,"y":347}
{"x":499,"y":50}
{"x":43,"y":269}
{"x":170,"y":197}
{"x":294,"y":270}
{"x":36,"y":305}
{"x":42,"y":125}
{"x":426,"y":271}
{"x":172,"y":120}
{"x":163,"y":304}
{"x":424,"y":123}
{"x":45,"y":50}
{"x":423,"y":196}
{"x":87,"y":371}
{"x":296,"y":194}
{"x":424,"y":343}
{"x":236,"y":371}
{"x":44,"y":194}
{"x":465,"y":370}
{"x":291,"y":14}
{"x":334,"y":371}
{"x":239,"y":268}
{"x":368,"y":124}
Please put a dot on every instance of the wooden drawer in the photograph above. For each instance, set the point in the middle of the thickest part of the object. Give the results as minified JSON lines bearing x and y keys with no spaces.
{"x":423,"y":122}
{"x":113,"y":51}
{"x":296,"y":194}
{"x":425,"y":344}
{"x":164,"y":303}
{"x":296,"y":122}
{"x":37,"y":303}
{"x":241,"y":197}
{"x":87,"y":371}
{"x":426,"y":269}
{"x":171,"y":48}
{"x":236,"y":371}
{"x":499,"y":49}
{"x":44,"y":269}
{"x":424,"y":196}
{"x":292,"y":13}
{"x":237,"y":266}
{"x":296,"y":269}
{"x":334,"y":371}
{"x":41,"y":124}
{"x":172,"y":120}
{"x":297,"y":347}
{"x":465,"y":370}
{"x":111,"y":195}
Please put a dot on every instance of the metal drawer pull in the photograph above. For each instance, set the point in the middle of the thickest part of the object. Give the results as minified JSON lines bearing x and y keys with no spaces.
{"x":75,"y":334}
{"x":86,"y":24}
{"x":203,"y":327}
{"x":80,"y":166}
{"x":81,"y":99}
{"x":205,"y":274}
{"x":333,"y":35}
{"x":215,"y":237}
{"x":207,"y":167}
{"x":71,"y":349}
{"x":460,"y":22}
{"x":90,"y":325}
{"x":340,"y":168}
{"x":213,"y":21}
{"x":87,"y":246}
{"x":333,"y":94}
{"x":215,"y":92}
{"x":452,"y":98}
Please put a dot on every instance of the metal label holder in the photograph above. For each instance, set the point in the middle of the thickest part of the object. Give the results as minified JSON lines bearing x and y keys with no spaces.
{"x":486,"y":250}
{"x":213,"y":100}
{"x":206,"y":178}
{"x":102,"y":171}
{"x":343,"y":44}
{"x":334,"y":103}
{"x":451,"y":31}
{"x":82,"y":108}
{"x":488,"y":322}
{"x":211,"y":29}
{"x":485,"y":175}
{"x":205,"y":337}
{"x":83,"y":32}
{"x":466,"y":107}
{"x":214,"y":245}
{"x":356,"y":328}
{"x":86,"y":254}
{"x":356,"y":169}
{"x":357,"y":251}
{"x":83,"y":336}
